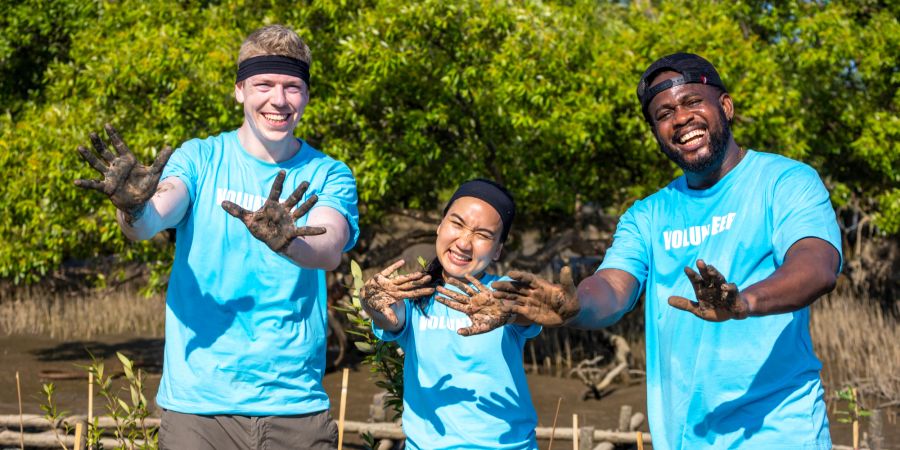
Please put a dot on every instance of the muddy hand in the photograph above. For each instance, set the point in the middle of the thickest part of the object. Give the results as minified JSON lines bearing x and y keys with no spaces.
{"x":274,"y":223}
{"x":539,"y":300}
{"x":717,"y":299}
{"x":485,"y":311}
{"x":127,"y":183}
{"x":385,"y":289}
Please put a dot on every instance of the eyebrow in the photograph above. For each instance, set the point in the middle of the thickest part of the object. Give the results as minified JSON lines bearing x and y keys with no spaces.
{"x":680,"y":99}
{"x":459,"y":218}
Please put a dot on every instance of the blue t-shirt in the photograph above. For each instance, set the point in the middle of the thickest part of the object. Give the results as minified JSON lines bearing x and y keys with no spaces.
{"x":245,"y":327}
{"x":749,"y":384}
{"x":463,"y":391}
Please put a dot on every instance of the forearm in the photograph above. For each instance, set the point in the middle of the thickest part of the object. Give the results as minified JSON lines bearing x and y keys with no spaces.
{"x":321,"y":251}
{"x":164,"y":210}
{"x":809,"y":271}
{"x":381,"y":321}
{"x":604,"y":298}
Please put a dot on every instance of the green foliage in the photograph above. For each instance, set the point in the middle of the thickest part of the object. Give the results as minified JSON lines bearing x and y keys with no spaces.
{"x":131,"y":430}
{"x":53,"y":415}
{"x":385,"y":359}
{"x":419,"y":96}
{"x":854,"y":410}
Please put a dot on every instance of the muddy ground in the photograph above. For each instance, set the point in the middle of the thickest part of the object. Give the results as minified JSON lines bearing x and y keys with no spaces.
{"x":37,"y":359}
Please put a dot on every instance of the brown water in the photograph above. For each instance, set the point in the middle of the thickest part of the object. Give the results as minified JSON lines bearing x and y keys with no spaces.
{"x":37,"y":358}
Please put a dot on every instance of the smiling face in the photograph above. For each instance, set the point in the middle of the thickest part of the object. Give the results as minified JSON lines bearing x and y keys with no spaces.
{"x":468,"y":238}
{"x":273,"y":105}
{"x":690,"y":122}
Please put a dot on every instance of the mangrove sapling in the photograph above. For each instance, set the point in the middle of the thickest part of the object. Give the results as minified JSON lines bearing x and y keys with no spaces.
{"x":854,"y":411}
{"x":54,"y":415}
{"x":131,"y":430}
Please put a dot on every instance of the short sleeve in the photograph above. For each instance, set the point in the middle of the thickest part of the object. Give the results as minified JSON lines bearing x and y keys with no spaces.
{"x":339,"y":192}
{"x":629,"y":248}
{"x":399,"y":335}
{"x":184,"y":164}
{"x":528,"y":331}
{"x":801,"y":208}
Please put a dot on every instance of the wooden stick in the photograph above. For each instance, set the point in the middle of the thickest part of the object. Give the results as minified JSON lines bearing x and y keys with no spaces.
{"x":574,"y":431}
{"x":21,"y":422}
{"x":855,"y":419}
{"x":343,"y":408}
{"x":79,"y":431}
{"x":553,"y":430}
{"x":640,"y":440}
{"x":90,"y":416}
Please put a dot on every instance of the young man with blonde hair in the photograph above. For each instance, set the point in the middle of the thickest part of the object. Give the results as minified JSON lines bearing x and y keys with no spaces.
{"x":246,"y":312}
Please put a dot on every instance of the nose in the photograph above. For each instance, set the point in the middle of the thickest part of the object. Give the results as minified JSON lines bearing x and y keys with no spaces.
{"x":683,"y":116}
{"x":278,"y":97}
{"x":465,"y":241}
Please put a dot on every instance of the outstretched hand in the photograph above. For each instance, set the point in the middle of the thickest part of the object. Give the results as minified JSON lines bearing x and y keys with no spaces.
{"x":539,"y":300}
{"x":127,"y":183}
{"x":274,"y":222}
{"x":717,"y":299}
{"x":485,"y":311}
{"x":385,"y":289}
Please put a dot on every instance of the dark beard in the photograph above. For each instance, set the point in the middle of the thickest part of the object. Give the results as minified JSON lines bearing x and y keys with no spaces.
{"x":718,"y":143}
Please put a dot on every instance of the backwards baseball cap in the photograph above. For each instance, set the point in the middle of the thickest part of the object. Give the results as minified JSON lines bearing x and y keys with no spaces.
{"x":491,"y":193}
{"x":693,"y":69}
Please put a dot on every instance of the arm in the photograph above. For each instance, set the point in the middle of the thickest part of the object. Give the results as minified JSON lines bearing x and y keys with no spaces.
{"x":599,"y":301}
{"x":164,"y":210}
{"x":604,"y":298}
{"x":809,"y":272}
{"x":321,"y":251}
{"x":382,"y":297}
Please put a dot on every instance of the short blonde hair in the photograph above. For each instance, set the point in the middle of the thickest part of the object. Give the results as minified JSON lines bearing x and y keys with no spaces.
{"x":274,"y":40}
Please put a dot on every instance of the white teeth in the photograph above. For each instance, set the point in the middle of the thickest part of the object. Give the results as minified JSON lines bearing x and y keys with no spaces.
{"x":275,"y":117}
{"x":691,"y":135}
{"x":460,"y":257}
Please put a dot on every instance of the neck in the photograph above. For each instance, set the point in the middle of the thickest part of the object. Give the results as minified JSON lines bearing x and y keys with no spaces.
{"x":704,"y":180}
{"x":268,"y":151}
{"x":447,"y":276}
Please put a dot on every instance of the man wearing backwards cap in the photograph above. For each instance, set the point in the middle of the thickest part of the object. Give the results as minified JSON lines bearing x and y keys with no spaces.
{"x":464,"y":380}
{"x":246,"y":311}
{"x":729,"y":358}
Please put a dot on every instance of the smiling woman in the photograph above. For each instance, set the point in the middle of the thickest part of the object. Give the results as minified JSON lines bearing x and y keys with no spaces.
{"x":463,"y":379}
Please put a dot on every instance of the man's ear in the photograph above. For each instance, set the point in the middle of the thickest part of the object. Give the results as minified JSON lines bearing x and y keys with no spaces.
{"x":239,"y":91}
{"x":727,"y":106}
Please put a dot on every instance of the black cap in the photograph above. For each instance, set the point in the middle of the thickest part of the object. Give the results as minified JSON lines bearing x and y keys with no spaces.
{"x":693,"y":69}
{"x":491,"y":193}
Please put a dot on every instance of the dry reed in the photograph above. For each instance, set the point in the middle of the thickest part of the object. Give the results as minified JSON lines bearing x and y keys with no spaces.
{"x":64,"y":316}
{"x":857,"y":343}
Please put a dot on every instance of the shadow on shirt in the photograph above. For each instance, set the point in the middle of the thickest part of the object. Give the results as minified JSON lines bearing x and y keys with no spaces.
{"x":438,"y":395}
{"x":780,"y":377}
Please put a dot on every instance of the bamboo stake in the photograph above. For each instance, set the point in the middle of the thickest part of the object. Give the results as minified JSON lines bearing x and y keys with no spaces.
{"x":21,"y":422}
{"x":574,"y":431}
{"x":640,"y":440}
{"x":343,"y":408}
{"x":553,"y":430}
{"x":79,"y":430}
{"x":855,"y":420}
{"x":90,"y":416}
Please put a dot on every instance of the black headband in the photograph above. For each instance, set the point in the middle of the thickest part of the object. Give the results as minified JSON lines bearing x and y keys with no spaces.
{"x":491,"y":193}
{"x":282,"y":65}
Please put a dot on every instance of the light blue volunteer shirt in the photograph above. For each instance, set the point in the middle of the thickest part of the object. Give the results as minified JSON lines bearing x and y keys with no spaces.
{"x":463,"y":392}
{"x":749,"y":384}
{"x":245,"y":327}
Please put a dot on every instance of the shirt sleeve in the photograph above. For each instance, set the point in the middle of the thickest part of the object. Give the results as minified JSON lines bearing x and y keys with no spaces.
{"x":629,"y":250}
{"x":339,"y":192}
{"x":801,"y":208}
{"x":184,"y":164}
